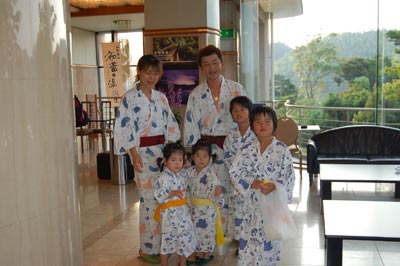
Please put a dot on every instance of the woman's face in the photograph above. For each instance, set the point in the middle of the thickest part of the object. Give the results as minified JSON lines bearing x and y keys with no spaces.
{"x":211,"y":66}
{"x":175,"y":162}
{"x":148,"y":77}
{"x":263,"y":126}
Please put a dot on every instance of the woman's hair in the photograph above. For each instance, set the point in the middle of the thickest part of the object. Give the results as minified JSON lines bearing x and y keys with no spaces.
{"x":201,"y":144}
{"x":206,"y":51}
{"x":168,"y":150}
{"x":149,"y":61}
{"x":265,"y":110}
{"x":243,"y":101}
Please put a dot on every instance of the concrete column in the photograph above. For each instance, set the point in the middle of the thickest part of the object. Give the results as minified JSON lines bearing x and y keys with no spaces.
{"x":39,"y":201}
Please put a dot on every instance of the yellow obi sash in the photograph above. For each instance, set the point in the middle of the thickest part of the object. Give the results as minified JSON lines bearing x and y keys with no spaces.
{"x":218,"y":223}
{"x":169,"y":204}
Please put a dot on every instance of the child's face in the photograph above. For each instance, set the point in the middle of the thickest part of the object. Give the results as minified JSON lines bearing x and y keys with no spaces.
{"x":240,"y":114}
{"x":263,"y":126}
{"x":175,"y":162}
{"x":201,"y":159}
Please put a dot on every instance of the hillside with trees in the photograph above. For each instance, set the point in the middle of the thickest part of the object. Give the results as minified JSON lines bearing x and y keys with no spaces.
{"x":342,"y":70}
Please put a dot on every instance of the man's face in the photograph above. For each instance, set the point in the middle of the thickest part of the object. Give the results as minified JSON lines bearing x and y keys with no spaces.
{"x":211,"y":66}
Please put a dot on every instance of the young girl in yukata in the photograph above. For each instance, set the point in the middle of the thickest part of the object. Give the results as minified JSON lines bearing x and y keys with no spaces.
{"x":266,"y":159}
{"x":177,"y":231}
{"x":206,"y":199}
{"x":236,"y":140}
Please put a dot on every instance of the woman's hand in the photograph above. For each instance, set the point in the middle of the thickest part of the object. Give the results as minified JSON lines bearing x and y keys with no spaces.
{"x":137,"y":160}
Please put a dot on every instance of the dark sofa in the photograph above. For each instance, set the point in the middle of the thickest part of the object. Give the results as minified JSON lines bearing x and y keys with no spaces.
{"x":362,"y":144}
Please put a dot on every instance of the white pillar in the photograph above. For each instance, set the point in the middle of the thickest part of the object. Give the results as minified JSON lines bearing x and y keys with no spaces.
{"x":249,"y":51}
{"x":39,"y":201}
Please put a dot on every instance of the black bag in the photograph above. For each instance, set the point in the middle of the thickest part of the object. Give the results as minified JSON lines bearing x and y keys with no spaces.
{"x":104,"y":168}
{"x":81,"y":116}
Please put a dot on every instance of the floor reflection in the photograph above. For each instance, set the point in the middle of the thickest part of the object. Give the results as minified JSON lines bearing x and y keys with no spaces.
{"x":109,"y":219}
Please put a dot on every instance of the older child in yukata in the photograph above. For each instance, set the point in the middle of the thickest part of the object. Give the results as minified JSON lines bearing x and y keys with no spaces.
{"x":143,"y":125}
{"x":206,"y":199}
{"x":266,"y":159}
{"x":238,"y":139}
{"x":177,"y":231}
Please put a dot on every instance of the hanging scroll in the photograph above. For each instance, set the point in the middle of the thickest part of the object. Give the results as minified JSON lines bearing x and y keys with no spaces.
{"x":113,"y":71}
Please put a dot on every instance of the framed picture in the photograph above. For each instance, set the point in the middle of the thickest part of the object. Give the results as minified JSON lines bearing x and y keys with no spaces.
{"x":176,"y":49}
{"x":178,"y":80}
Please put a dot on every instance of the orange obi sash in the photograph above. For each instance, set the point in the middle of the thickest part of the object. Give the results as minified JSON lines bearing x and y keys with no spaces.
{"x":169,"y":204}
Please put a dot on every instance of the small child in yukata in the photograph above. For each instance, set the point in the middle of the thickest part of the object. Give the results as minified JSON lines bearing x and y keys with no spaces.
{"x":206,"y":199}
{"x":177,"y":230}
{"x":237,"y":140}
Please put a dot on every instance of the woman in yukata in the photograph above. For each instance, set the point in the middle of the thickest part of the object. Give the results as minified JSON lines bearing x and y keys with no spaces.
{"x":207,"y":114}
{"x":236,"y":140}
{"x":206,"y":199}
{"x":143,"y":125}
{"x":266,"y":159}
{"x":173,"y":214}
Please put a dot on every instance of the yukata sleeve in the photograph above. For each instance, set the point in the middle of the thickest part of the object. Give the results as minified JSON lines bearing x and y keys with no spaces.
{"x":162,"y":189}
{"x":126,"y":128}
{"x":213,"y":184}
{"x":192,"y":122}
{"x":241,"y":172}
{"x":173,"y":131}
{"x":287,"y":174}
{"x":229,"y":152}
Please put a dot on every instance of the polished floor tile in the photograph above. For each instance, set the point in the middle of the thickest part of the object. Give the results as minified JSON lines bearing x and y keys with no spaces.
{"x":109,"y":222}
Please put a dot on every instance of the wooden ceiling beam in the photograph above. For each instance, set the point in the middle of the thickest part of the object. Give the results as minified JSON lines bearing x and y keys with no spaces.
{"x":115,"y":10}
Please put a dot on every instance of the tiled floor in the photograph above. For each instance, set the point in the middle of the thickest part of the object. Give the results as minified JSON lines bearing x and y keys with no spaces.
{"x":109,"y":217}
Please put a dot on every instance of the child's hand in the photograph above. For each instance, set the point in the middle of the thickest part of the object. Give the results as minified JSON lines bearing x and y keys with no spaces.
{"x":177,"y":193}
{"x":257,"y":184}
{"x":267,"y":187}
{"x":218,"y":191}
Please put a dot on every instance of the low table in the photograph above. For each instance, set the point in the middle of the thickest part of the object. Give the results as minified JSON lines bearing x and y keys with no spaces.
{"x":376,"y":173}
{"x":358,"y":220}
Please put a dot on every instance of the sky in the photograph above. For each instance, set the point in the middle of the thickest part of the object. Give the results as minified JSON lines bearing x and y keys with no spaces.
{"x":339,"y":16}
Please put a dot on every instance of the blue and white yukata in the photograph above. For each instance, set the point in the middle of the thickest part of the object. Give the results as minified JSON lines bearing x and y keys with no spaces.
{"x":177,"y":230}
{"x":274,"y":164}
{"x":202,"y":185}
{"x":235,"y":143}
{"x":204,"y":118}
{"x":138,"y":117}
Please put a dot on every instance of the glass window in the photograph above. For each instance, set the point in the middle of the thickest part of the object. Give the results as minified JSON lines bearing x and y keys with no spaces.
{"x":339,"y":53}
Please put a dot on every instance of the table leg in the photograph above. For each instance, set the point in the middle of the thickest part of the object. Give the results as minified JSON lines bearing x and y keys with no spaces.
{"x":326,"y":190}
{"x":334,"y":248}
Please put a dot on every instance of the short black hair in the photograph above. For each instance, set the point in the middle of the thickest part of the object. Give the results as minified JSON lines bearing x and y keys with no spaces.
{"x":243,"y":101}
{"x":208,"y":50}
{"x":265,"y":110}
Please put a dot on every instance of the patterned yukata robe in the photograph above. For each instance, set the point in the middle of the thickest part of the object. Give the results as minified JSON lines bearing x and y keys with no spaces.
{"x":275,"y":164}
{"x":203,"y":117}
{"x":138,"y":117}
{"x":177,"y":230}
{"x":202,"y":185}
{"x":235,"y":143}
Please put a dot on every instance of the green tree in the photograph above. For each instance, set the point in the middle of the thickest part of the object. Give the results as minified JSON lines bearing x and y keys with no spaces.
{"x":314,"y":62}
{"x":285,"y":89}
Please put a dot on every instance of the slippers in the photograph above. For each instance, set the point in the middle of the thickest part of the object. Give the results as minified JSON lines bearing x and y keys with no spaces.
{"x":153,"y":259}
{"x":204,"y":261}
